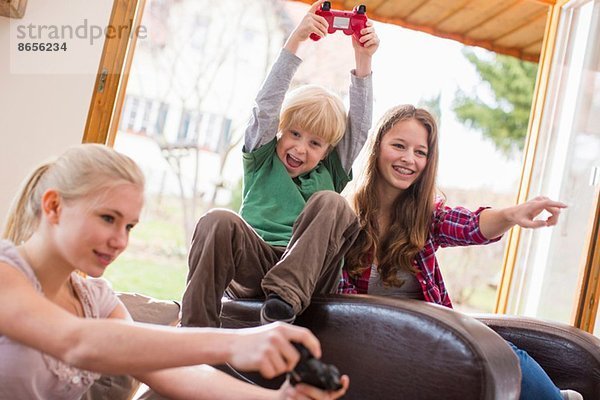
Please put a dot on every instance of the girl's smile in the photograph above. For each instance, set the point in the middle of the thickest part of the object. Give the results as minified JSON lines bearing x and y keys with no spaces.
{"x":402,"y":155}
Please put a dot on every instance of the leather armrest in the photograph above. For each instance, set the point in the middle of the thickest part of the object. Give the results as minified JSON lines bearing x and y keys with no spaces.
{"x":570,"y":356}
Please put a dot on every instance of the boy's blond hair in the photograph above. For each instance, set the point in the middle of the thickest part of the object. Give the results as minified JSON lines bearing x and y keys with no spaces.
{"x":315,"y":109}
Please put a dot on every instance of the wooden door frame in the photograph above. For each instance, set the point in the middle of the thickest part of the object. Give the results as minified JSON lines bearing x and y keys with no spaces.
{"x":586,"y":308}
{"x":113,"y":72}
{"x":586,"y":305}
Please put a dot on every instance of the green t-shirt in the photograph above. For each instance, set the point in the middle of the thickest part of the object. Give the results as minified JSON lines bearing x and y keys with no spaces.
{"x":273,"y":200}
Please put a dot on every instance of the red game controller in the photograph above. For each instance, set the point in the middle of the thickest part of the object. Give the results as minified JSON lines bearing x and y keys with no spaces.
{"x":349,"y":22}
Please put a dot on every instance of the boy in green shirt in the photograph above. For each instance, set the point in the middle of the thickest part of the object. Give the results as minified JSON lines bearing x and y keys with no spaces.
{"x":289,"y":241}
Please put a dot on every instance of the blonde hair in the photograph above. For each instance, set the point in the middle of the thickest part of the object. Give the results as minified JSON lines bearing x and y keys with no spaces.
{"x":411,"y":212}
{"x":79,"y":171}
{"x":315,"y":109}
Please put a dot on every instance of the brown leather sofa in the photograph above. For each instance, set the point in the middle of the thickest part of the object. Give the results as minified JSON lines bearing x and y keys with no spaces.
{"x":384,"y":344}
{"x":405,"y":349}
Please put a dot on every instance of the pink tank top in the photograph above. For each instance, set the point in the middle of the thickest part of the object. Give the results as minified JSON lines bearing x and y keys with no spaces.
{"x":26,"y":373}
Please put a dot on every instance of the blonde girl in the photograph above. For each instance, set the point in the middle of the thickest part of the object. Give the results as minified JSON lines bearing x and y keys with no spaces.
{"x":59,"y":330}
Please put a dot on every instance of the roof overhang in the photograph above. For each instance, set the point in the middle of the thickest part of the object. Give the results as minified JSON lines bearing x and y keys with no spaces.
{"x":512,"y":27}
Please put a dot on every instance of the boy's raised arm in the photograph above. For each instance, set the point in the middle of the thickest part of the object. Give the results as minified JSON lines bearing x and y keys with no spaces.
{"x":264,"y":122}
{"x":360,"y":114}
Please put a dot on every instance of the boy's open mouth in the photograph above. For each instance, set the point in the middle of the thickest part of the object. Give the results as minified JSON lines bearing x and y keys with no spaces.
{"x":293,"y":161}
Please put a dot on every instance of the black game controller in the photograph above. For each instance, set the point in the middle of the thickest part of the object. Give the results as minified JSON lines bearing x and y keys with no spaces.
{"x":314,"y":372}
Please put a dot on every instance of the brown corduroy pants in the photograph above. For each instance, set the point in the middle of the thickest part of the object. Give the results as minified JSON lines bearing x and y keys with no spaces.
{"x":228,"y":255}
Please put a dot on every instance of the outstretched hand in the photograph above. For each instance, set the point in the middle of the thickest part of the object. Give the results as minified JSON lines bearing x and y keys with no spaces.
{"x":306,"y":392}
{"x":268,"y":349}
{"x":495,"y":222}
{"x":524,"y":214}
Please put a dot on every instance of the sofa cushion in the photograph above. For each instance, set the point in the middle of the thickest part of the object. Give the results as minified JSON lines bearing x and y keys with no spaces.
{"x":150,"y":310}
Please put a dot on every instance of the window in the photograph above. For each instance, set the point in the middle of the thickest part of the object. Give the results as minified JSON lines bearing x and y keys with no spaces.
{"x":144,"y":116}
{"x":161,"y":118}
{"x":549,"y":264}
{"x":212,"y":132}
{"x":132,"y":113}
{"x":184,"y":126}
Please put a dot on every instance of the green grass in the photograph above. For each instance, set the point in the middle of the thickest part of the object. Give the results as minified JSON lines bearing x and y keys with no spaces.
{"x":166,"y":231}
{"x":162,"y":278}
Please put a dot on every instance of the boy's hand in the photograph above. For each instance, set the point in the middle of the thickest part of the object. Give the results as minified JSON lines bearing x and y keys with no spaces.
{"x":311,"y":23}
{"x":369,"y":39}
{"x":364,"y":53}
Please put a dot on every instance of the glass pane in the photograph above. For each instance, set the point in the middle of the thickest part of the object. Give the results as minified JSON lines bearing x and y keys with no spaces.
{"x":548,"y":268}
{"x":192,"y":85}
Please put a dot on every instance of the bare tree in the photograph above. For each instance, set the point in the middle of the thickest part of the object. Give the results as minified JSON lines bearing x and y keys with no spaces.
{"x":195,"y":41}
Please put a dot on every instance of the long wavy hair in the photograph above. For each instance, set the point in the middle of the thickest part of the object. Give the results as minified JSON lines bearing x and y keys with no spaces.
{"x":411,"y":212}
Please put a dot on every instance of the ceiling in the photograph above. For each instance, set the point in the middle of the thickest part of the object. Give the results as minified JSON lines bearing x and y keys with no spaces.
{"x":513,"y":27}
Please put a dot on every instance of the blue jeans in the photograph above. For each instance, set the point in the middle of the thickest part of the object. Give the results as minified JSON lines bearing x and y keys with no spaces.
{"x":535,"y":383}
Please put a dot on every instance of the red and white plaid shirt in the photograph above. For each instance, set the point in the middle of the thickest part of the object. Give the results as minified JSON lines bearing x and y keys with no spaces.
{"x":449,"y":227}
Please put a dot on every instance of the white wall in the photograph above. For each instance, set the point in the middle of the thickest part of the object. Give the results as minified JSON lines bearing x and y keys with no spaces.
{"x":43,"y":113}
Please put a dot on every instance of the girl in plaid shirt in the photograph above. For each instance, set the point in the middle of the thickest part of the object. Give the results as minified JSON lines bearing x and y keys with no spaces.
{"x":403,"y":224}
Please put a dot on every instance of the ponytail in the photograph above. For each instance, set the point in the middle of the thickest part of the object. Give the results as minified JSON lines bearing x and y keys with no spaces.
{"x":24,"y":213}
